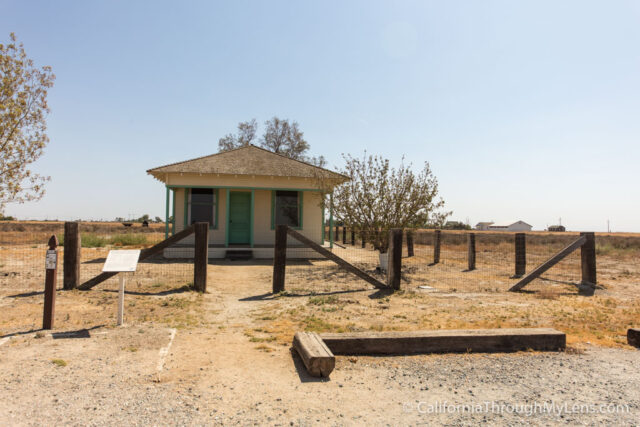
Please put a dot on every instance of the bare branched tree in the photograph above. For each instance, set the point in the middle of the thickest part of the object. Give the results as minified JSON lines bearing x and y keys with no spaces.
{"x":23,"y":126}
{"x":286,"y":138}
{"x":379,"y":197}
{"x":280,"y":136}
{"x":245,"y":136}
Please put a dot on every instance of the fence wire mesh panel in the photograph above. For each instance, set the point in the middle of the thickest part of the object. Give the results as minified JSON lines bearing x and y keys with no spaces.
{"x":309,"y":272}
{"x":23,"y":247}
{"x":493,"y":269}
{"x":171,"y":268}
{"x":562,"y":277}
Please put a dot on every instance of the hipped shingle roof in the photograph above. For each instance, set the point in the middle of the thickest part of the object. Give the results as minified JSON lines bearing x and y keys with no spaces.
{"x":249,"y":160}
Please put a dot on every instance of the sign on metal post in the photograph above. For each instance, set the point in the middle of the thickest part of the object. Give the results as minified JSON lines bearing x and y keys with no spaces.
{"x":50,"y":265}
{"x":51,"y":260}
{"x":122,"y":261}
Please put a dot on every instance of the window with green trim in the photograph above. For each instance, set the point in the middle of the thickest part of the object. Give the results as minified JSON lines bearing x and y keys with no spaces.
{"x":286,"y":208}
{"x":202,"y":206}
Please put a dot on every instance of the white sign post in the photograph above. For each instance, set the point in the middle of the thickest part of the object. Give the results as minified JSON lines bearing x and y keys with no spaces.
{"x":122,"y":261}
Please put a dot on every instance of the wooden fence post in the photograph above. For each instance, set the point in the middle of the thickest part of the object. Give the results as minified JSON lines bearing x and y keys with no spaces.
{"x":51,"y":276}
{"x":521,"y":254}
{"x":363,"y":238}
{"x":279,"y":258}
{"x":337,"y":235}
{"x":410,"y":252}
{"x":201,"y":256}
{"x":436,"y":246}
{"x":394,"y":269}
{"x":471,"y":254}
{"x":353,"y":237}
{"x":71,"y":259}
{"x":344,"y":235}
{"x":588,"y":259}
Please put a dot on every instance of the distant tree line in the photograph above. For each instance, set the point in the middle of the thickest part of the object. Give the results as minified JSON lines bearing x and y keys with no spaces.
{"x":143,"y":218}
{"x":455,"y":225}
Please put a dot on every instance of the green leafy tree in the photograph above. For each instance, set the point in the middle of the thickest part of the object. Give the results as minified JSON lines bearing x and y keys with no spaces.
{"x":23,"y":110}
{"x":379,"y":197}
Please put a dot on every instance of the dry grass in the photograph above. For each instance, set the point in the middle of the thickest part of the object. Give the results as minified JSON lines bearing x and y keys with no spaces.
{"x":163,"y":303}
{"x":322,"y":298}
{"x":597,"y":320}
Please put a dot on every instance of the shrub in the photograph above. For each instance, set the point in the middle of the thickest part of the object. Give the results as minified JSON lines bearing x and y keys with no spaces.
{"x":90,"y":240}
{"x":59,"y":362}
{"x":128,"y":239}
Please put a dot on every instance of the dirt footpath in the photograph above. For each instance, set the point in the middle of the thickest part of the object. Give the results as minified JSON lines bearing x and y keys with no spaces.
{"x":229,"y":372}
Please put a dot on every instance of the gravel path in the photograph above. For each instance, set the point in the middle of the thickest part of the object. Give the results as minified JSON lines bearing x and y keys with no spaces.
{"x":111,"y":379}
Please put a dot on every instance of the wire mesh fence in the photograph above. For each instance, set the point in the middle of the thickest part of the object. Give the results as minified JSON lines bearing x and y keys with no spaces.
{"x":445,"y":260}
{"x":23,"y":247}
{"x":310,"y":272}
{"x":493,"y":261}
{"x":22,"y":254}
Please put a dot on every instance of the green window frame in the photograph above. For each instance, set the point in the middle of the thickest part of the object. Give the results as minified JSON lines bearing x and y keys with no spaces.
{"x":215,"y":205}
{"x":273,"y":209}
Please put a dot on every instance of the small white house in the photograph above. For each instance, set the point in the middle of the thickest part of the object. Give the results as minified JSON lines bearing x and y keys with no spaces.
{"x":243,"y":194}
{"x":514,"y":226}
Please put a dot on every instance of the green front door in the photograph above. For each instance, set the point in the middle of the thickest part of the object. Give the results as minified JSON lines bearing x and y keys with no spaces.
{"x":239,"y":217}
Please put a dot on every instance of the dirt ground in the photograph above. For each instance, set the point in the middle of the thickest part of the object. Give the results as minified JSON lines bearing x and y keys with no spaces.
{"x":224,"y":357}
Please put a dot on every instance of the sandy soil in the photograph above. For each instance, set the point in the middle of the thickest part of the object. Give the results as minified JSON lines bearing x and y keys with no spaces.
{"x":229,"y":361}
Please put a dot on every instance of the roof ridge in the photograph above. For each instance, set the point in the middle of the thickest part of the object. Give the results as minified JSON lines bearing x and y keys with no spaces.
{"x":246,"y":147}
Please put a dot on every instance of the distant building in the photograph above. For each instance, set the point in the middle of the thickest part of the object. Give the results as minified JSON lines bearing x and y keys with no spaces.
{"x":556,"y":228}
{"x":514,"y":226}
{"x":483,"y":225}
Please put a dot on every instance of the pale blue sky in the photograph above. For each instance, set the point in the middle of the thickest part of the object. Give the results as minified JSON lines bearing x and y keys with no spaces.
{"x":525,"y":110}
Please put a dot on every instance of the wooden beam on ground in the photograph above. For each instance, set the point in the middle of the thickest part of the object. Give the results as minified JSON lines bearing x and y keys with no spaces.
{"x":315,"y":355}
{"x":330,"y":255}
{"x":548,"y":264}
{"x":144,"y":254}
{"x":633,"y":337}
{"x":443,"y":341}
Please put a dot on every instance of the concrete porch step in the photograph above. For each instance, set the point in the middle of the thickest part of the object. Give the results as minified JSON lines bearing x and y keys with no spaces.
{"x":238,"y":255}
